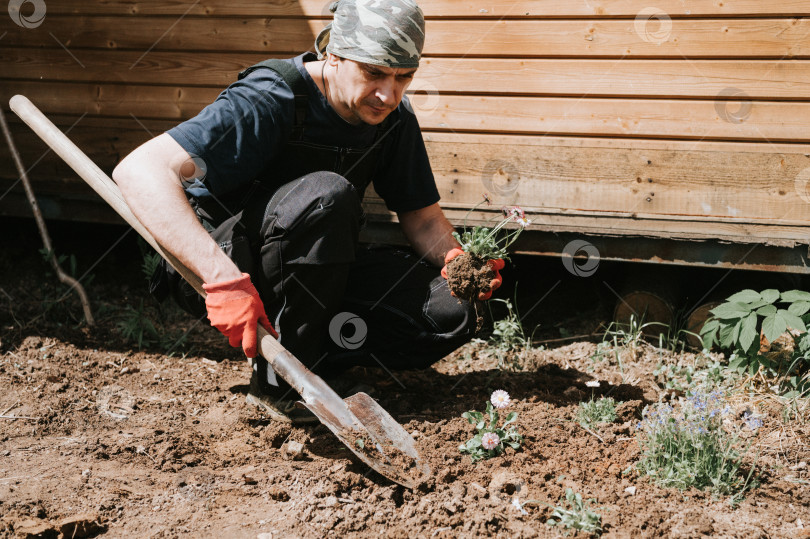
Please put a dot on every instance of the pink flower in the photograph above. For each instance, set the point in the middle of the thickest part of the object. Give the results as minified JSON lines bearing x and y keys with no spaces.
{"x":518,"y":212}
{"x":490,"y":440}
{"x":499,"y":398}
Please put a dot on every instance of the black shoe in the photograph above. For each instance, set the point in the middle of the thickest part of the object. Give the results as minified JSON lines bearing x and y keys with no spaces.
{"x":279,"y":402}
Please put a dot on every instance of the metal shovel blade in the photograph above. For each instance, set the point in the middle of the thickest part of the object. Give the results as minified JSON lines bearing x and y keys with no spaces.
{"x":379,"y":441}
{"x":358,"y":421}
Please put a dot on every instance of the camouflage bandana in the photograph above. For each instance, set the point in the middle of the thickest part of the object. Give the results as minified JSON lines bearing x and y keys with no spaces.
{"x":387,"y":33}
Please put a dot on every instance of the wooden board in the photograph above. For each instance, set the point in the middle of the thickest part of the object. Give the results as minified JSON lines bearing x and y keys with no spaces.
{"x":759,"y":79}
{"x":608,"y":225}
{"x":441,"y":8}
{"x":635,"y":180}
{"x":742,"y":183}
{"x":701,"y":38}
{"x":695,"y":119}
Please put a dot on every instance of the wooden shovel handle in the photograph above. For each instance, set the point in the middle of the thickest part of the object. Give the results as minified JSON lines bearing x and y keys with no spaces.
{"x":269,"y":347}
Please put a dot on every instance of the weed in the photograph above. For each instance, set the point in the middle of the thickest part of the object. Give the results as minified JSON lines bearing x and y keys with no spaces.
{"x":629,"y":335}
{"x":703,"y":370}
{"x":795,"y":409}
{"x":137,"y":327}
{"x":508,"y":334}
{"x":150,"y":264}
{"x":689,"y":448}
{"x":144,"y":326}
{"x":620,"y":339}
{"x":676,"y":337}
{"x":579,"y":516}
{"x":491,"y":439}
{"x":593,"y":412}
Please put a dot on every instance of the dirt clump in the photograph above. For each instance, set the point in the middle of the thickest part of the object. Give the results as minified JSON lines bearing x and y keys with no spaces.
{"x":468,"y":276}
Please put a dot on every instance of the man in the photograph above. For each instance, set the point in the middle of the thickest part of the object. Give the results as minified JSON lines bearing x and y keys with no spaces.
{"x":260,"y":196}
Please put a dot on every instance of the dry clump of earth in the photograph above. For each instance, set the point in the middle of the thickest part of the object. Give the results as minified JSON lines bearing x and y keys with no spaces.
{"x":468,"y":276}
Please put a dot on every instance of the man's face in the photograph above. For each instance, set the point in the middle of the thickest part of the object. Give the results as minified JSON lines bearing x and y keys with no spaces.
{"x":365,"y":92}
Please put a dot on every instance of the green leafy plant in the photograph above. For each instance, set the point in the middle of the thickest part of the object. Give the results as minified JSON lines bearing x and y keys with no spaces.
{"x":150,"y":264}
{"x":507,"y":333}
{"x":137,"y":327}
{"x":491,"y":438}
{"x":688,"y":447}
{"x":591,"y":413}
{"x":703,"y":369}
{"x":578,"y":515}
{"x":492,"y":242}
{"x":675,"y":337}
{"x":508,"y":337}
{"x":736,"y":324}
{"x":623,"y":340}
{"x":628,"y":335}
{"x":145,"y":326}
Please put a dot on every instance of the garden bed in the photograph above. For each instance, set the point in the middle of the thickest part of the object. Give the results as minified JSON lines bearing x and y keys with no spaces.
{"x":112,"y":440}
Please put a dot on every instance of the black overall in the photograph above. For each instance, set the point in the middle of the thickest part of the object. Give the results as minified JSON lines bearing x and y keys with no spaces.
{"x":295,"y":231}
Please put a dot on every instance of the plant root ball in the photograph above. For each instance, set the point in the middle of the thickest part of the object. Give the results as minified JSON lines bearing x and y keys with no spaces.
{"x":468,"y":276}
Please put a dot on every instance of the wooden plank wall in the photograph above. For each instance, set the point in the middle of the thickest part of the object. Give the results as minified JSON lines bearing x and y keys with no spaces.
{"x":611,"y":117}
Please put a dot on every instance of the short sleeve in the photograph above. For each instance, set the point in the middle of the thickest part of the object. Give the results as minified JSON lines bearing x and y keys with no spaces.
{"x":239,"y":134}
{"x":405,"y":180}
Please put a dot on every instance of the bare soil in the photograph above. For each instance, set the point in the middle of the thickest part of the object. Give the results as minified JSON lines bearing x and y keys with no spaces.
{"x":99,"y":438}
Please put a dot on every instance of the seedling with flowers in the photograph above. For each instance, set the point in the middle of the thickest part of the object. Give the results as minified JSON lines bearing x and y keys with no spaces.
{"x":492,"y":439}
{"x":689,"y":447}
{"x":471,"y":270}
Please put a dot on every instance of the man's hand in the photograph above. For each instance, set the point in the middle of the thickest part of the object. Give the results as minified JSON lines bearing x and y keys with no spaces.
{"x":234,"y":308}
{"x":497,"y":264}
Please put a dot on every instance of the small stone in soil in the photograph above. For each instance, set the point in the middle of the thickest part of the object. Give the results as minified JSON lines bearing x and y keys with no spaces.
{"x":278,"y":494}
{"x":293,"y":450}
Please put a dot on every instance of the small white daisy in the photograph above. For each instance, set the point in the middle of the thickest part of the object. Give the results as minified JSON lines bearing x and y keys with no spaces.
{"x":592,"y":383}
{"x":500,"y":398}
{"x":490,"y":440}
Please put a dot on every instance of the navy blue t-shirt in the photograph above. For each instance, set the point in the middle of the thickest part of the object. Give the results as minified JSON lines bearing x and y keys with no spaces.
{"x":244,"y":130}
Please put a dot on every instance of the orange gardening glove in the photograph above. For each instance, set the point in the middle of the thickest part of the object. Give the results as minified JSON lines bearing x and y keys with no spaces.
{"x":496,"y":264}
{"x":235,"y":309}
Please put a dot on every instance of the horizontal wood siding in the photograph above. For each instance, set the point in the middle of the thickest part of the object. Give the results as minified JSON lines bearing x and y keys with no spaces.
{"x":688,"y":120}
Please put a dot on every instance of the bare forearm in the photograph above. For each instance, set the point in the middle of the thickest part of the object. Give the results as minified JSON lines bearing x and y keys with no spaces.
{"x":429,"y":233}
{"x":153,"y":192}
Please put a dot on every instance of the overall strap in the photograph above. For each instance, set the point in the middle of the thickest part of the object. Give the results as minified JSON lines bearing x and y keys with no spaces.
{"x":289,"y":72}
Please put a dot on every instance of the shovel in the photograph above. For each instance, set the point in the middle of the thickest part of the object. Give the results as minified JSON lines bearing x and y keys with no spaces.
{"x":358,"y":421}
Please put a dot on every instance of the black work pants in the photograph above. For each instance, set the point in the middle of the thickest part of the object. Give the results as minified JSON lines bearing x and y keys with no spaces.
{"x":334,"y":303}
